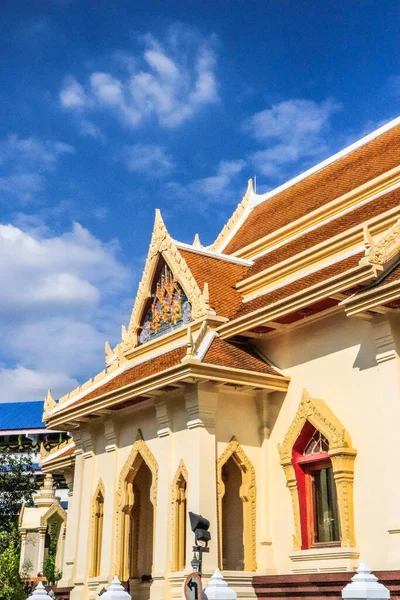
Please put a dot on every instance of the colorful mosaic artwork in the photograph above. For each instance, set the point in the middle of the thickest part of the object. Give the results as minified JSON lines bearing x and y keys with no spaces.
{"x":170,"y":308}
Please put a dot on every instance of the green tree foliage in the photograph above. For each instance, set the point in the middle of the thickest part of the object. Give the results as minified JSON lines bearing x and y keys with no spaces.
{"x":17,"y":485}
{"x":11,"y":587}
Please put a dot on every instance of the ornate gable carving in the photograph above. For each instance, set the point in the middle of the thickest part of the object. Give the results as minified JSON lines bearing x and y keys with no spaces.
{"x":162,"y":245}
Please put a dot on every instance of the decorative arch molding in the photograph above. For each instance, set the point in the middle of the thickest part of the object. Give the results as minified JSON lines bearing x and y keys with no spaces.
{"x":95,"y":535}
{"x":162,"y":245}
{"x":55,"y":510}
{"x":342,"y":455}
{"x":139,"y":454}
{"x":181,"y":474}
{"x":248,"y":497}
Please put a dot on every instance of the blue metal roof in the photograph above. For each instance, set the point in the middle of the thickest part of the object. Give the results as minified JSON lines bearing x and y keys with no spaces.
{"x":21,"y":415}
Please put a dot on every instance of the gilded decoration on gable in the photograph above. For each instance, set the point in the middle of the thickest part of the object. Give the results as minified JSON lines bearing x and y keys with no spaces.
{"x":169,"y":308}
{"x":162,"y":245}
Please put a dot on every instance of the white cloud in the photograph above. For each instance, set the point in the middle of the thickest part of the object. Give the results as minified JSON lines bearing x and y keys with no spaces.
{"x":32,"y":151}
{"x":22,"y":185}
{"x":217,"y":185}
{"x":23,"y":162}
{"x":73,"y":95}
{"x":170,"y":81}
{"x":215,"y":189}
{"x":293,"y":131}
{"x":22,"y":385}
{"x":147,"y":159}
{"x":52,"y":318}
{"x":89,"y":129}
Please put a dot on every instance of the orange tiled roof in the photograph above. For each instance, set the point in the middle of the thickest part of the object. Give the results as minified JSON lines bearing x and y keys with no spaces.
{"x":325,"y":232}
{"x":243,"y":356}
{"x":342,"y":176}
{"x":136,"y":373}
{"x":221,"y":276}
{"x":220,"y":353}
{"x":299,"y":285}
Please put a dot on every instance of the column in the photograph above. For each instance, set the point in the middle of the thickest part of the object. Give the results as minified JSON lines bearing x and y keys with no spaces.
{"x":22,"y":555}
{"x":201,"y":406}
{"x":109,"y":475}
{"x":265,"y":560}
{"x":162,"y":525}
{"x":40,"y":554}
{"x":74,"y":482}
{"x":385,"y":330}
{"x":84,"y":523}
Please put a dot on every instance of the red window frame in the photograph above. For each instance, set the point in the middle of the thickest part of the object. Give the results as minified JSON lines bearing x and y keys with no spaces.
{"x":304,"y":467}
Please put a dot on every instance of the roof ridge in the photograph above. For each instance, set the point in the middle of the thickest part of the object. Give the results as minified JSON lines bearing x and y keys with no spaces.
{"x":234,"y":224}
{"x":325,"y":163}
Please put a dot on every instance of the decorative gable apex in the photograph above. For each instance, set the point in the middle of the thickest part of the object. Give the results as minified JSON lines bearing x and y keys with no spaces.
{"x":176,"y":278}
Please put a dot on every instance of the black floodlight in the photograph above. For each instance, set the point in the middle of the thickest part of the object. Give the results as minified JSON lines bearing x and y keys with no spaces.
{"x":200,"y":527}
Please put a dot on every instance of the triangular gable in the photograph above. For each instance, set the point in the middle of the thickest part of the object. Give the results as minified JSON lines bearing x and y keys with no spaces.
{"x":162,"y":247}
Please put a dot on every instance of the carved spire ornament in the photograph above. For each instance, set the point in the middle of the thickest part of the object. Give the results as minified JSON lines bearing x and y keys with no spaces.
{"x":196,"y":241}
{"x":49,"y":403}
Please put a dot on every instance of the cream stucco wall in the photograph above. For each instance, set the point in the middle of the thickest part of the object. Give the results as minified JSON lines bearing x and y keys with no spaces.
{"x":352,"y":364}
{"x":335,"y":360}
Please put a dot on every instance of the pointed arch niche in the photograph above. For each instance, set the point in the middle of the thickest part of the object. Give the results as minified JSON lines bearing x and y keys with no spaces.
{"x":97,"y":528}
{"x":236,"y":485}
{"x":179,"y":517}
{"x":314,"y":415}
{"x":135,"y":512}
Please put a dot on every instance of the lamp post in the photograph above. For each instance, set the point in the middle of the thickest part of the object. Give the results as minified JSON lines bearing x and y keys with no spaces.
{"x":202,"y":536}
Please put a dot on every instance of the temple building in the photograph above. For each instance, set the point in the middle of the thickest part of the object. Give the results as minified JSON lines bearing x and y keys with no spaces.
{"x":257,"y":384}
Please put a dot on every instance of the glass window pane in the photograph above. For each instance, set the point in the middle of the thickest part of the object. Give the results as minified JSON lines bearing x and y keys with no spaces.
{"x":326,"y":517}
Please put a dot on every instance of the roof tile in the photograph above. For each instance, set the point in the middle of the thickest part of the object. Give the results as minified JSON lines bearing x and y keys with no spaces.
{"x":342,"y":176}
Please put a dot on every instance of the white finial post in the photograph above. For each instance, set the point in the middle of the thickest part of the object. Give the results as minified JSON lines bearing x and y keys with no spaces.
{"x":365,"y":586}
{"x":115,"y":591}
{"x":218,"y":589}
{"x":39,"y":593}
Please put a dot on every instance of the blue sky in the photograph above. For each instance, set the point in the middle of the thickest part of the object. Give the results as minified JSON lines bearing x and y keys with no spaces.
{"x":112,"y":109}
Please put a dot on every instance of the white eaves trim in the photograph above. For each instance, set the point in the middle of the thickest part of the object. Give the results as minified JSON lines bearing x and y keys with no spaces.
{"x":206,"y":252}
